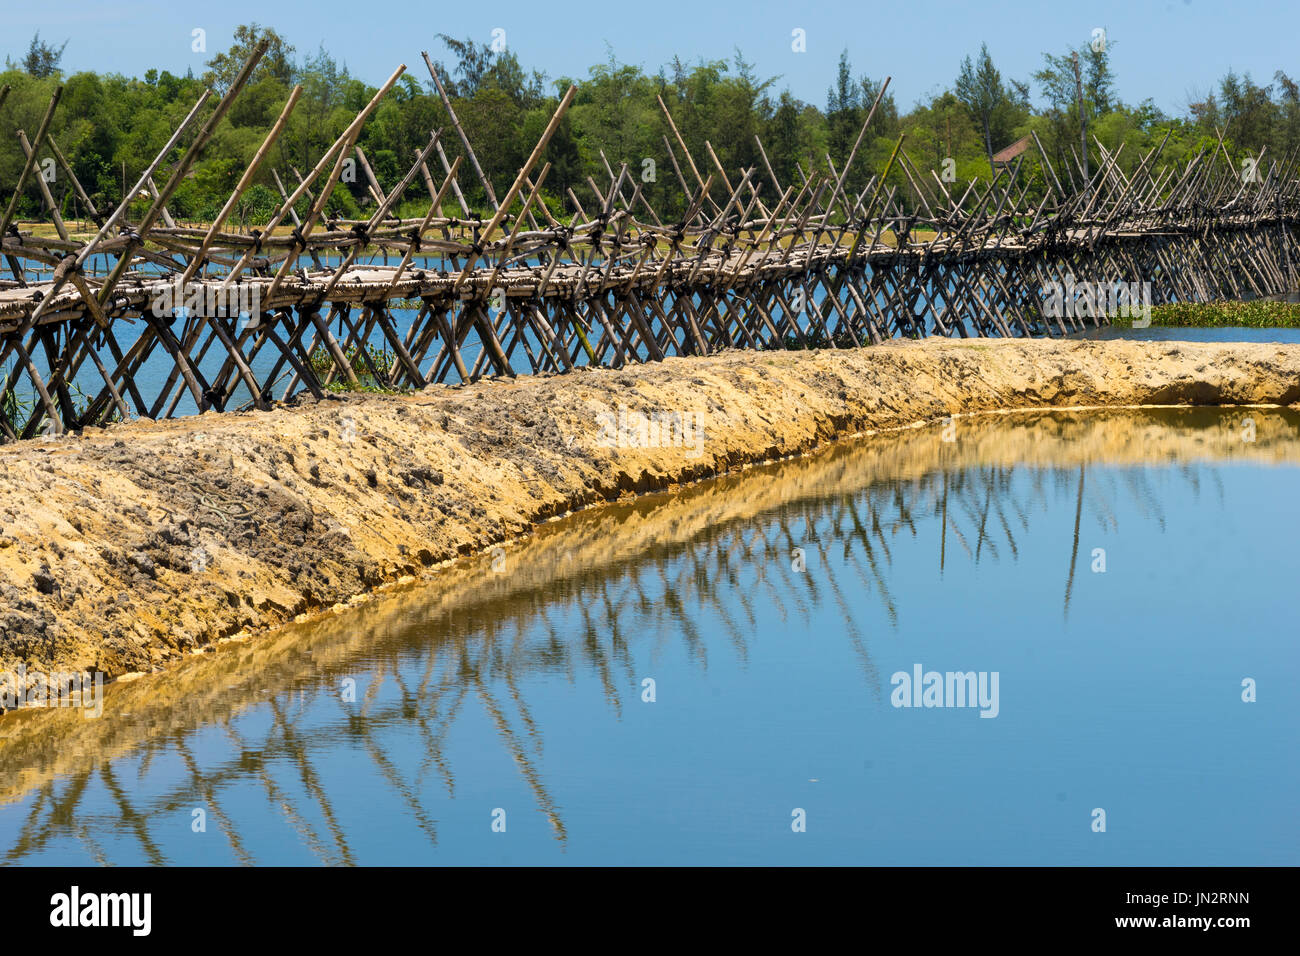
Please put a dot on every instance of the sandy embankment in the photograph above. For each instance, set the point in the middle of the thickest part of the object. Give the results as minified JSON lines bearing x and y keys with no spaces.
{"x":126,"y":548}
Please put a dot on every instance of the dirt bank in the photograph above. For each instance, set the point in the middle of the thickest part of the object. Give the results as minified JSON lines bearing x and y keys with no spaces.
{"x":124,"y":549}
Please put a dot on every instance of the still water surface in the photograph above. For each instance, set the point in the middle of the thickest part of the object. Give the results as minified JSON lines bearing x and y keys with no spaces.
{"x":771,"y":610}
{"x":1209,"y":334}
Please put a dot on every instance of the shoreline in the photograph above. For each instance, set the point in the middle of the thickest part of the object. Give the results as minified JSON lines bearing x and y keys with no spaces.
{"x":125,"y":550}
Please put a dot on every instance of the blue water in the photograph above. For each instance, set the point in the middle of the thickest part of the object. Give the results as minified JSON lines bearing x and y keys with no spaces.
{"x":520,"y":689}
{"x":1162,"y":334}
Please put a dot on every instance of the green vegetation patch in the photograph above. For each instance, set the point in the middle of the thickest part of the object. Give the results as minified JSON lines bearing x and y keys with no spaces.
{"x":1258,"y":314}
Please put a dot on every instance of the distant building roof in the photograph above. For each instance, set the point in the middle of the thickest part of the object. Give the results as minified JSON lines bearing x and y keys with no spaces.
{"x":1011,"y":152}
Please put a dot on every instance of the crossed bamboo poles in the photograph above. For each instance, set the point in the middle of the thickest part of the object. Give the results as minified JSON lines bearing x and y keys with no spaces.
{"x":803,"y":264}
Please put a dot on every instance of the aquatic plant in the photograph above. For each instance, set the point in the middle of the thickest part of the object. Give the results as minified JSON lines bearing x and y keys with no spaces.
{"x":1259,"y":313}
{"x":371,"y":365}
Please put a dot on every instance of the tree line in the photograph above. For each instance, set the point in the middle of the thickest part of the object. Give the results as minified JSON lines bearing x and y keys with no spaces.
{"x":110,"y":126}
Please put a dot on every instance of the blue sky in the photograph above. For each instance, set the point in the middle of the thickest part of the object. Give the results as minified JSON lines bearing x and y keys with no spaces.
{"x":1170,"y":50}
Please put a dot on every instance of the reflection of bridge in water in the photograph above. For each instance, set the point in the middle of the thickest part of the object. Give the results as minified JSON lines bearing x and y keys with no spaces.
{"x":600,"y":593}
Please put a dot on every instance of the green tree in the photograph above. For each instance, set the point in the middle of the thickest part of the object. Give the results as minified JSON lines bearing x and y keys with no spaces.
{"x":1061,"y":80}
{"x":1248,"y":112}
{"x":993,"y":105}
{"x":43,"y":60}
{"x":224,"y":67}
{"x":848,"y":104}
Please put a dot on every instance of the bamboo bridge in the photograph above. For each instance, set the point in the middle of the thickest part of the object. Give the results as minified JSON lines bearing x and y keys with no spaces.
{"x":153,"y":319}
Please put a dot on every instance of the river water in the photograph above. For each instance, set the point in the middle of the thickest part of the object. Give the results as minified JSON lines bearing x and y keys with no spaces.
{"x":714,"y":676}
{"x":1208,"y":334}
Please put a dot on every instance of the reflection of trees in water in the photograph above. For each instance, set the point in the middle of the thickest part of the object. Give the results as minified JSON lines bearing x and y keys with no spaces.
{"x":582,"y":598}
